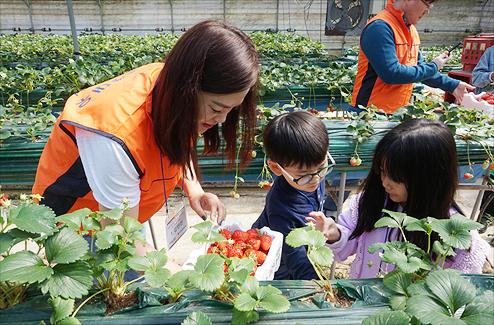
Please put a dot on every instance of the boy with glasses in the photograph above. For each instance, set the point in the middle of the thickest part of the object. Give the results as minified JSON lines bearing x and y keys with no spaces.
{"x":296,"y":144}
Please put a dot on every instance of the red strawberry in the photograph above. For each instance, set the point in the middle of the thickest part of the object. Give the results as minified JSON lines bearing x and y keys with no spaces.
{"x":253,"y":233}
{"x":240,"y":235}
{"x":225,"y":267}
{"x":491,"y":166}
{"x":234,"y":252}
{"x":254,"y":269}
{"x":468,"y":176}
{"x":261,"y":257}
{"x":226,"y":233}
{"x":211,"y":249}
{"x":250,"y":253}
{"x":241,"y":245}
{"x":314,"y":111}
{"x":221,"y":244}
{"x":266,"y":241}
{"x":254,"y":243}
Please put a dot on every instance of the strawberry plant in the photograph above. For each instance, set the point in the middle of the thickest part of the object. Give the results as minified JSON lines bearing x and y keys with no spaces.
{"x":61,"y":272}
{"x":318,"y":254}
{"x":419,"y":294}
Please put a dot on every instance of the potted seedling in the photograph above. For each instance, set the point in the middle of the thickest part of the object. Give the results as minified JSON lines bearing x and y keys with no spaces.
{"x":319,"y":256}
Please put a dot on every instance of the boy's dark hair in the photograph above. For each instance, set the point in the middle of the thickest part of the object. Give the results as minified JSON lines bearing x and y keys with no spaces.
{"x":297,"y":138}
{"x":421,"y":154}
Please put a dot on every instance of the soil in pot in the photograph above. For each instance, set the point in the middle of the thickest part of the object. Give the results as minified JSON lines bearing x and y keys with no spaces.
{"x":118,"y":302}
{"x":340,"y":298}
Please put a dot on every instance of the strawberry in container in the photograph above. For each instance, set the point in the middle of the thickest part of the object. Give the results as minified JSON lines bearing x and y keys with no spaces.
{"x":483,"y":101}
{"x":262,"y":245}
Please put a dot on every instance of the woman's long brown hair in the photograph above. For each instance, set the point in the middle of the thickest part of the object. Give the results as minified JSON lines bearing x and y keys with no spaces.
{"x":211,"y":57}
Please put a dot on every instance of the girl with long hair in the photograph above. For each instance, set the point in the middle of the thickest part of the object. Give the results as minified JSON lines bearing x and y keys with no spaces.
{"x":415,"y":171}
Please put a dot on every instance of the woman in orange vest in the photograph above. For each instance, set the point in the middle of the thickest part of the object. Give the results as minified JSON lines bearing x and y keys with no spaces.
{"x":135,"y":136}
{"x":390,"y":60}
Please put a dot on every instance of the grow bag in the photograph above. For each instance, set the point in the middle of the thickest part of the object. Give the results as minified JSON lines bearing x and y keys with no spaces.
{"x":370,"y":294}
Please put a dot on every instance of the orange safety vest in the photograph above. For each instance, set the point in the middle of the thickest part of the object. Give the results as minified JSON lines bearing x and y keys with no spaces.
{"x":368,"y":87}
{"x":119,"y":109}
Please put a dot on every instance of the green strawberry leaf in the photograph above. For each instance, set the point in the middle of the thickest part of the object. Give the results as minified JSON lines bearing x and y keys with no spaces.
{"x":395,"y":219}
{"x":398,"y":301}
{"x":197,"y":318}
{"x":66,"y":246}
{"x":387,"y":317}
{"x":6,"y":242}
{"x":116,"y":229}
{"x":62,"y":308}
{"x":455,"y":231}
{"x":420,"y":225}
{"x":322,"y":256}
{"x":208,"y":273}
{"x":245,"y":302}
{"x":243,"y":317}
{"x":131,"y":225}
{"x":250,"y":286}
{"x":430,"y":311}
{"x":303,"y":236}
{"x":141,"y":263}
{"x":105,"y":239}
{"x":157,"y":278}
{"x":480,"y":311}
{"x":70,"y":281}
{"x":115,"y":214}
{"x":270,"y":298}
{"x":24,"y":267}
{"x":398,"y":281}
{"x":74,"y":219}
{"x":205,"y":233}
{"x":33,"y":218}
{"x":179,"y":279}
{"x":451,"y":288}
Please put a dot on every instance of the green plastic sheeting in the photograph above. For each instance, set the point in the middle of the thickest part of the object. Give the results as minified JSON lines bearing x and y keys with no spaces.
{"x":19,"y":157}
{"x":370,"y":294}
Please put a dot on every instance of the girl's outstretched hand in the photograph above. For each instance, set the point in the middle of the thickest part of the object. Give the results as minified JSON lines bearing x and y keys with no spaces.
{"x":325,"y":225}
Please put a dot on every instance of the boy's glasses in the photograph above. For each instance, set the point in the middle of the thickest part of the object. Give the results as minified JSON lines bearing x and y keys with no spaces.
{"x":323,"y":172}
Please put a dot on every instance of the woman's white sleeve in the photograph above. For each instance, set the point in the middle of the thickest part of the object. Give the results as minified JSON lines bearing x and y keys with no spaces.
{"x":109,"y":171}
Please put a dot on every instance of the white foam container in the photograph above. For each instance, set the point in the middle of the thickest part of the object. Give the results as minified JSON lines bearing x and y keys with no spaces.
{"x":471,"y":101}
{"x":266,"y":270}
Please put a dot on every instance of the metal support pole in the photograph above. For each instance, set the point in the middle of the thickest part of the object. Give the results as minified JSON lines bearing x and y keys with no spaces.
{"x":277,"y":13}
{"x":224,"y":10}
{"x":339,"y":208}
{"x":30,"y":16}
{"x":171,"y":12}
{"x":73,"y":29}
{"x":151,"y":228}
{"x":101,"y":16}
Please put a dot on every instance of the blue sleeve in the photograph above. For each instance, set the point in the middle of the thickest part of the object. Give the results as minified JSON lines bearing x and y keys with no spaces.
{"x":440,"y":80}
{"x":482,"y":71}
{"x":378,"y":45}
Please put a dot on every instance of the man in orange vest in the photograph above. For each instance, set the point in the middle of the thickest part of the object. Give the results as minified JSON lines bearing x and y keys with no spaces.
{"x":390,"y":60}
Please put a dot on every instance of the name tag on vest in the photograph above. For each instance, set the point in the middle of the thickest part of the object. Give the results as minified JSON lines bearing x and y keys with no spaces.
{"x":176,"y":227}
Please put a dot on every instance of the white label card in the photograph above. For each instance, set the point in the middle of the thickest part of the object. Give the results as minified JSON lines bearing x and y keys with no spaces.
{"x":176,"y":227}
